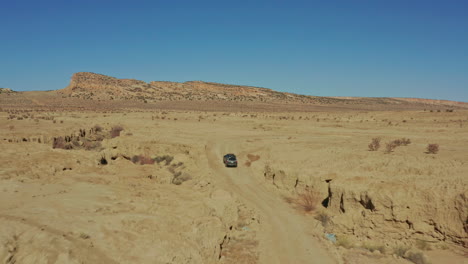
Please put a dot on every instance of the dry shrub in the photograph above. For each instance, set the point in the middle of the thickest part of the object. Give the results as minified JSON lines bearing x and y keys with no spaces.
{"x":375,"y":144}
{"x":59,"y":143}
{"x":397,"y":142}
{"x":97,"y":128}
{"x":423,"y":245}
{"x":135,"y":159}
{"x":416,"y":257}
{"x":75,"y":143}
{"x":248,"y":163}
{"x":165,"y":158}
{"x":400,"y":250}
{"x":374,"y":247}
{"x":306,"y":201}
{"x":432,"y":148}
{"x":324,"y":218}
{"x":146,"y":160}
{"x":115,"y":131}
{"x":84,"y":236}
{"x":142,"y":160}
{"x":405,"y":141}
{"x":389,"y":147}
{"x":180,"y":178}
{"x":344,"y":241}
{"x":91,"y":145}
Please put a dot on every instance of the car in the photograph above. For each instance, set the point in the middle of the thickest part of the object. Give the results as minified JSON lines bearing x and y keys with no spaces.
{"x":230,"y":160}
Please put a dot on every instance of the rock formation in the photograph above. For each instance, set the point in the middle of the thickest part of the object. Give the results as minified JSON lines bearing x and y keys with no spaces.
{"x":87,"y":85}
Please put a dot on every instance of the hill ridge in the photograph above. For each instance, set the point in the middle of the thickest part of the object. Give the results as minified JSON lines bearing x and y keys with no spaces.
{"x":89,"y":85}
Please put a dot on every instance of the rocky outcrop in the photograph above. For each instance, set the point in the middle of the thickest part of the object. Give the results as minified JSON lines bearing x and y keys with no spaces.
{"x":97,"y":83}
{"x":94,"y":86}
{"x":6,"y":90}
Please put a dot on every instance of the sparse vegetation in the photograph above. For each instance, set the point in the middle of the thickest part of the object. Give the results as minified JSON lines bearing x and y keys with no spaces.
{"x":142,"y":160}
{"x":324,"y":218}
{"x":344,"y":241}
{"x":180,"y":178}
{"x":97,"y":128}
{"x":115,"y":131}
{"x":59,"y":143}
{"x":400,"y":250}
{"x":84,"y":236}
{"x":165,"y":158}
{"x":405,"y":141}
{"x":83,"y":139}
{"x":416,"y":257}
{"x":432,"y":148}
{"x":374,"y":247}
{"x":390,"y":146}
{"x":375,"y":144}
{"x":306,"y":201}
{"x":423,"y":245}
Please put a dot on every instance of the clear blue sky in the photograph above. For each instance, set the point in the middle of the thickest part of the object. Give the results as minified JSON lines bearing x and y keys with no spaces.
{"x":375,"y":48}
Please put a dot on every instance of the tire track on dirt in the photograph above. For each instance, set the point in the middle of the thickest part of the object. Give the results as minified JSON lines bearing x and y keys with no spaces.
{"x":284,"y":237}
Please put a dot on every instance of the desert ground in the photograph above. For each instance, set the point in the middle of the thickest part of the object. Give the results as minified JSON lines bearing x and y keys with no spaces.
{"x":149,"y":186}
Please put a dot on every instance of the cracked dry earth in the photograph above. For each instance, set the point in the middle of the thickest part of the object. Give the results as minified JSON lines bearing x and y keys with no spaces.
{"x":69,"y":206}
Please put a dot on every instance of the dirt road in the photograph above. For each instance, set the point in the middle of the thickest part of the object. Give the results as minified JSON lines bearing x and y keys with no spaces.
{"x":285,"y":236}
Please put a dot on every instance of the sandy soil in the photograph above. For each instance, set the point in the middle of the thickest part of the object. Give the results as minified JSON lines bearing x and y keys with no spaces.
{"x":66,"y":206}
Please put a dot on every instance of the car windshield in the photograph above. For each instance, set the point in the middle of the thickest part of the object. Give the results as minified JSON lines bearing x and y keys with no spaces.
{"x":232,"y":159}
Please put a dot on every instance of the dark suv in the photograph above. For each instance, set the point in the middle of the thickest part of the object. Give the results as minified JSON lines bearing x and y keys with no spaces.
{"x":230,"y":160}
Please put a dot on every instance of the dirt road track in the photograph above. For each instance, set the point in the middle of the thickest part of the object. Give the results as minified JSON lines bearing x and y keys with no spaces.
{"x":285,"y":236}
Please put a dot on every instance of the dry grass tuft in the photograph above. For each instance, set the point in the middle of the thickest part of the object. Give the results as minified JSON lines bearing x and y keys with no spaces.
{"x":432,"y":148}
{"x":400,"y":250}
{"x":375,"y":144}
{"x":142,"y":160}
{"x":324,"y":218}
{"x":416,"y":257}
{"x":61,"y":143}
{"x":344,"y":241}
{"x":390,"y":147}
{"x":168,"y":159}
{"x":97,"y":128}
{"x":179,"y":178}
{"x":374,"y":247}
{"x":115,"y":131}
{"x":405,"y":141}
{"x":306,"y":201}
{"x":423,"y":245}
